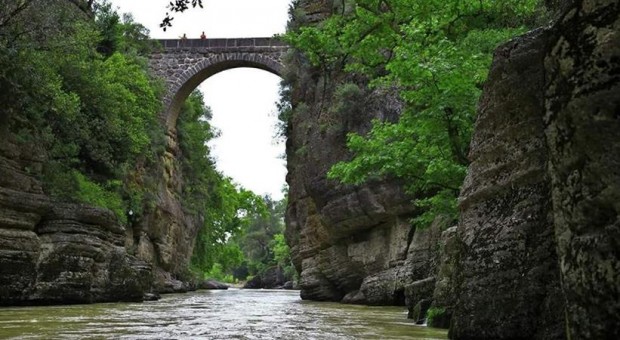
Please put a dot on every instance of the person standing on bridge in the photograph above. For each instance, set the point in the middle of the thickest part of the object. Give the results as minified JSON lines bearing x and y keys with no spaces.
{"x":203,"y":36}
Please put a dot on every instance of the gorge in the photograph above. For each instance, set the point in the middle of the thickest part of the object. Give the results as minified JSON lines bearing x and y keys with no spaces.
{"x":532,"y":255}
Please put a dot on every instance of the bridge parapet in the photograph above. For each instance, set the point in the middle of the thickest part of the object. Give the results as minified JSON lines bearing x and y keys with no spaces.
{"x":228,"y":44}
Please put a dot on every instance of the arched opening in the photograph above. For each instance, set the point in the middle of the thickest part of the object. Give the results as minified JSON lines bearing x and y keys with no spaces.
{"x":189,"y":79}
{"x":242,"y":102}
{"x":242,"y":231}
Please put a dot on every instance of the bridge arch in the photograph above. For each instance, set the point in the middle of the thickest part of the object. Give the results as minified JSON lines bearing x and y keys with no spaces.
{"x":184,"y":64}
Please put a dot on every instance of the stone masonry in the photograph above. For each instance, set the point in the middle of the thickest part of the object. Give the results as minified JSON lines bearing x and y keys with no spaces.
{"x":184,"y":64}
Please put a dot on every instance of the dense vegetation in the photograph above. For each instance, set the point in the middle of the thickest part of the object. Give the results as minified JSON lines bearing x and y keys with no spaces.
{"x":241,"y":232}
{"x":436,"y":53}
{"x":262,"y":242}
{"x":76,"y":91}
{"x":75,"y":88}
{"x":214,"y":198}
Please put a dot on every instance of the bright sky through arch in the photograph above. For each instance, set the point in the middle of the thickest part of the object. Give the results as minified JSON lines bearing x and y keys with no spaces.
{"x":242,"y":100}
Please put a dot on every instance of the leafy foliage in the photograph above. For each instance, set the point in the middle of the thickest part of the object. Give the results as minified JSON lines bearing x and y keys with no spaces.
{"x":98,"y":195}
{"x":263,"y":243}
{"x":91,"y":111}
{"x":437,"y":54}
{"x":433,"y":313}
{"x":223,"y":208}
{"x":75,"y":89}
{"x":178,"y":6}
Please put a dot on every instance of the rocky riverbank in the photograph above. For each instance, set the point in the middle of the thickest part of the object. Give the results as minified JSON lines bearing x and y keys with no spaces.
{"x":53,"y":252}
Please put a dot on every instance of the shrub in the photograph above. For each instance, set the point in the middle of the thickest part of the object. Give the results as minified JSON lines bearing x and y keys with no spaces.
{"x":434,"y":313}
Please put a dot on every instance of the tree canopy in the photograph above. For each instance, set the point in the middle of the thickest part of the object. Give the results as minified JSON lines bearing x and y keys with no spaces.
{"x":436,"y":53}
{"x":76,"y":88}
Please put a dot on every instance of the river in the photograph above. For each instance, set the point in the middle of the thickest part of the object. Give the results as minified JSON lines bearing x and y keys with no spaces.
{"x":221,"y":314}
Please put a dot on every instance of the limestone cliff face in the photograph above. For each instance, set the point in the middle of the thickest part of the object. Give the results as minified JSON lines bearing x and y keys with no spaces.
{"x":165,"y":236}
{"x":509,"y":277}
{"x":539,"y":228}
{"x":349,"y":243}
{"x":535,"y":253}
{"x":52,"y":252}
{"x":582,"y":124}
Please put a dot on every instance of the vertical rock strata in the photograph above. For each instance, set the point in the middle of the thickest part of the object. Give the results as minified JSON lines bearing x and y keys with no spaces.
{"x":535,"y":254}
{"x":508,"y":273}
{"x":582,"y":121}
{"x":164,"y":237}
{"x":349,"y":243}
{"x":539,"y":227}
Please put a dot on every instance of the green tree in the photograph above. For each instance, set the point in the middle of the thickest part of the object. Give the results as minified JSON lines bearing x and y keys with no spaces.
{"x":92,"y":115}
{"x":437,"y":54}
{"x":223,"y":207}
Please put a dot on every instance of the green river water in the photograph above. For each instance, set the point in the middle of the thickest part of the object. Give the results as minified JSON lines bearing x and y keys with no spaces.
{"x":224,"y":314}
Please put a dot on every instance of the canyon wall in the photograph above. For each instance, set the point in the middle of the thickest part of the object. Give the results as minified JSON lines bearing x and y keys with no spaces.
{"x":508,"y":274}
{"x":582,"y":124}
{"x":53,"y":252}
{"x":56,"y":252}
{"x":539,"y":208}
{"x":349,"y":243}
{"x":535,"y":252}
{"x":164,"y":236}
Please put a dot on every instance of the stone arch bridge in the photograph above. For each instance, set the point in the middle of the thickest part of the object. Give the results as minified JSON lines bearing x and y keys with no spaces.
{"x":184,"y":64}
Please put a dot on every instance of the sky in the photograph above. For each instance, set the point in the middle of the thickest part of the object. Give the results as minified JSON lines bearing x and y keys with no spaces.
{"x":242,"y":100}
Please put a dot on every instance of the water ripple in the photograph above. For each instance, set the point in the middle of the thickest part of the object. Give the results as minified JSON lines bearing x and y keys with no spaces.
{"x":231,"y":314}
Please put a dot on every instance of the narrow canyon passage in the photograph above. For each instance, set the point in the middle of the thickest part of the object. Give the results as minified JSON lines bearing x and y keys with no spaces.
{"x":229,"y":314}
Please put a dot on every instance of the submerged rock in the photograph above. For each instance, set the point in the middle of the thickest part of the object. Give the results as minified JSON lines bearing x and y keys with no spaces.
{"x":287,"y":285}
{"x":212,"y":284}
{"x":151,"y":297}
{"x":354,"y":297}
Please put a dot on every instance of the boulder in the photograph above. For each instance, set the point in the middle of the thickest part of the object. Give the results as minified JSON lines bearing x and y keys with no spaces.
{"x":288,"y":285}
{"x":418,"y":297}
{"x":354,"y":297}
{"x":272,"y":277}
{"x":444,"y":295}
{"x":418,"y":311}
{"x":255,"y":283}
{"x":151,"y":297}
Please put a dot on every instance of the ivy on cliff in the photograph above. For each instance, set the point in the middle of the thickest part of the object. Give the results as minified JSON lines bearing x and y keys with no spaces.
{"x":437,"y":54}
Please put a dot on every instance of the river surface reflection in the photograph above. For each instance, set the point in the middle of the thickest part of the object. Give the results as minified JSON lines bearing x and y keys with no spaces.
{"x":225,"y":314}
